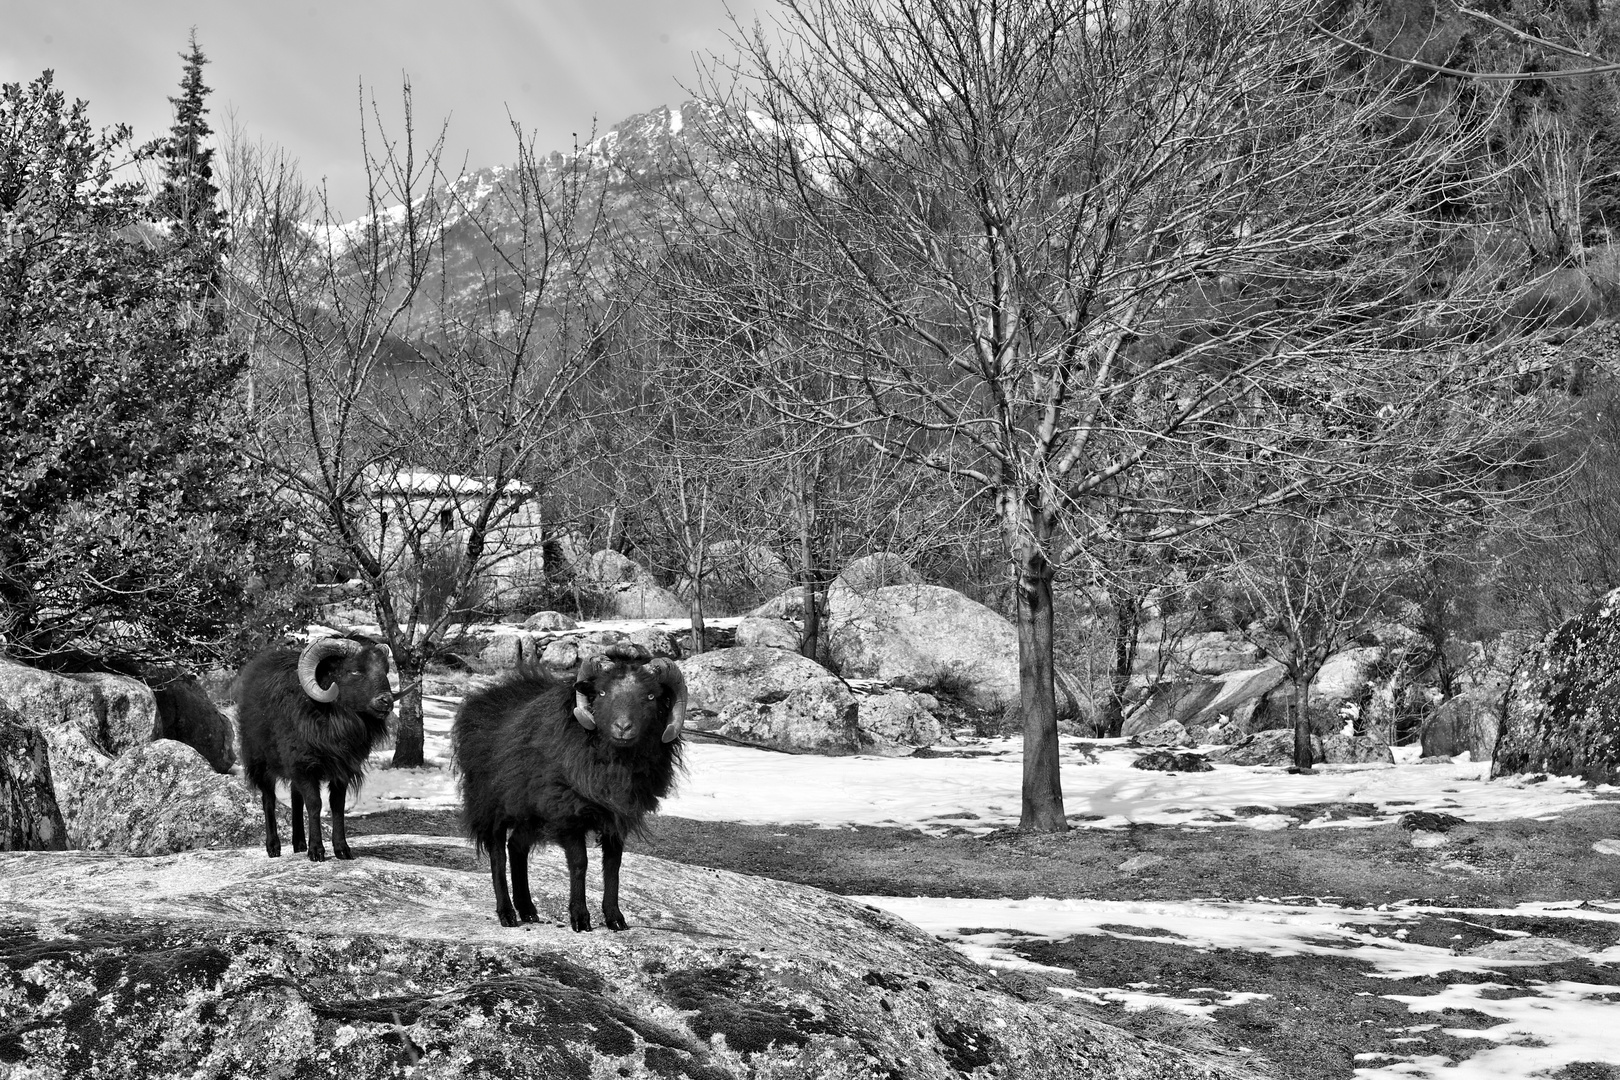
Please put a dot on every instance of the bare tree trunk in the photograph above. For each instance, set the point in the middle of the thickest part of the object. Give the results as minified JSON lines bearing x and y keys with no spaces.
{"x":30,"y":820}
{"x":1127,"y":636}
{"x":809,"y":569}
{"x":1042,"y":789}
{"x":1302,"y":723}
{"x":408,"y":738}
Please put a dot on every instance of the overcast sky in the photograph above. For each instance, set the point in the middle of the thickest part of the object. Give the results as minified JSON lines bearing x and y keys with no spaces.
{"x":290,"y":71}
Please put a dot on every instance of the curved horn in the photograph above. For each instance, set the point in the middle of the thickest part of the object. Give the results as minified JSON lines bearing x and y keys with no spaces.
{"x":582,"y":704}
{"x":669,"y":674}
{"x":311,"y":658}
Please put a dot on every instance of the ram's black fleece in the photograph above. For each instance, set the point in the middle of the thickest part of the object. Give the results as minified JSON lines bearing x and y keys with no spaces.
{"x":287,"y":735}
{"x":533,"y":764}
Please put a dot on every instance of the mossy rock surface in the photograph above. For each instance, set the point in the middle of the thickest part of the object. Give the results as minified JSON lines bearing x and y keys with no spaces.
{"x":229,"y":964}
{"x":1563,"y":710}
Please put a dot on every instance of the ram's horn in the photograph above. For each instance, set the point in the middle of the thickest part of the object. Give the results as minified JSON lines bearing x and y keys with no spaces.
{"x":582,"y":704}
{"x":311,"y":658}
{"x":669,"y":674}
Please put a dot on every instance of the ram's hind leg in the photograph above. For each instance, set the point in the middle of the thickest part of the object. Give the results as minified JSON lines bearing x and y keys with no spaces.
{"x":612,"y":852}
{"x":573,"y":845}
{"x":337,"y":797}
{"x":496,"y":843}
{"x":297,"y":817}
{"x":272,"y":839}
{"x":517,"y":850}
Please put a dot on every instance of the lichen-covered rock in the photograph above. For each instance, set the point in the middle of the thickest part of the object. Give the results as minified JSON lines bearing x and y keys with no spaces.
{"x":549,"y":620}
{"x":602,"y":568}
{"x":788,"y":604}
{"x":642,"y":600}
{"x":1275,"y":747}
{"x":1201,"y":702}
{"x":1343,"y":749}
{"x":656,"y":641}
{"x":1469,"y":723}
{"x":77,"y":765}
{"x":898,"y":722}
{"x":1172,"y":761}
{"x":1168,"y":733}
{"x":162,"y":798}
{"x":773,"y":697}
{"x":925,"y":637}
{"x":505,"y":650}
{"x":114,"y":711}
{"x":767,"y":633}
{"x":230,"y":965}
{"x":876,"y":571}
{"x":1563,"y":710}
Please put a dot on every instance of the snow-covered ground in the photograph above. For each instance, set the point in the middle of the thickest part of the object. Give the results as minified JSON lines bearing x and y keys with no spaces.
{"x":1539,"y":1030}
{"x":979,"y":792}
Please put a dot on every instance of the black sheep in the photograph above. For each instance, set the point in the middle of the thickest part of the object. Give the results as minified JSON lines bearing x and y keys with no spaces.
{"x":550,"y":760}
{"x":308,"y":717}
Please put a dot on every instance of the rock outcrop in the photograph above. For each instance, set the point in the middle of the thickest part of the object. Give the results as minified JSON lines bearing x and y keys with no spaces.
{"x":1563,"y":710}
{"x":772,"y":697}
{"x":228,"y":964}
{"x":767,"y":633}
{"x":1469,"y":723}
{"x":112,"y":790}
{"x":925,"y":637}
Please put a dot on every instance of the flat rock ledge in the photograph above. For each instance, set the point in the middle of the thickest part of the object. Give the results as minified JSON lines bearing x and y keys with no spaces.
{"x":229,"y":964}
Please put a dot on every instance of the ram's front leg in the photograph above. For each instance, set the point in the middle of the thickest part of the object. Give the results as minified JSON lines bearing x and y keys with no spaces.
{"x":573,"y":845}
{"x":612,"y":852}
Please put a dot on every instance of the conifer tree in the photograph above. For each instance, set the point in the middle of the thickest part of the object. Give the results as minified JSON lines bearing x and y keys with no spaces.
{"x":188,"y":196}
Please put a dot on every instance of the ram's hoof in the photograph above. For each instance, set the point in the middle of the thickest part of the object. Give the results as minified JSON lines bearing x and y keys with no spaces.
{"x":614,"y":921}
{"x":507,"y":916}
{"x":528,"y":914}
{"x":317,"y":854}
{"x":342,"y":852}
{"x":580,"y":920}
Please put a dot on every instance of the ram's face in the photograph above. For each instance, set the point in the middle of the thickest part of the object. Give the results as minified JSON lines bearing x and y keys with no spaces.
{"x":628,"y":704}
{"x":362,"y":680}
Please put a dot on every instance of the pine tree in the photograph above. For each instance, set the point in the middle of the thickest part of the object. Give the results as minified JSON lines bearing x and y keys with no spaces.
{"x":188,"y":196}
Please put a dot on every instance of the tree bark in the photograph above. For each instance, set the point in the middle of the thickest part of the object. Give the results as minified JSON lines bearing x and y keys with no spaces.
{"x":1127,"y":634}
{"x":408,"y":738}
{"x":30,"y":820}
{"x":1043,"y":789}
{"x":809,"y":570}
{"x":1303,"y":759}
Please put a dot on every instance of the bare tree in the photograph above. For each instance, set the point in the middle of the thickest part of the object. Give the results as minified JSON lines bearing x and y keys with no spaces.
{"x":1132,"y":268}
{"x":413,"y":368}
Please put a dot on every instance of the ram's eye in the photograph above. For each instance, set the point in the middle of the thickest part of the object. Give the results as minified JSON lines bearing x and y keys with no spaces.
{"x":652,"y":697}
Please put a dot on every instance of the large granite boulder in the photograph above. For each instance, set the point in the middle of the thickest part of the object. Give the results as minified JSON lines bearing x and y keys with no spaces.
{"x":229,"y":965}
{"x":788,"y":604}
{"x":641,"y":600}
{"x":897,"y":722}
{"x":1275,"y":747}
{"x":767,"y":633}
{"x":115,"y":712}
{"x":163,"y":798}
{"x":1563,"y":709}
{"x":772,"y":697}
{"x":1469,"y":723}
{"x":1216,"y":653}
{"x":876,"y":571}
{"x":925,"y":637}
{"x":1202,"y":702}
{"x":608,"y":567}
{"x":549,"y":620}
{"x":1341,"y":749}
{"x":1345,"y":675}
{"x":111,"y":791}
